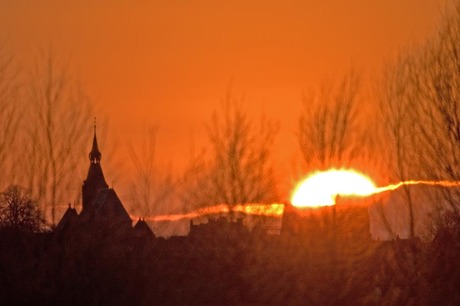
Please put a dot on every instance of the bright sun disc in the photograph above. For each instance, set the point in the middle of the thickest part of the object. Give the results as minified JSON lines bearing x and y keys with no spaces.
{"x":321,"y":188}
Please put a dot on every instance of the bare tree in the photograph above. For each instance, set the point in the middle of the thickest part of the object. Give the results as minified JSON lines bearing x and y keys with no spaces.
{"x":59,"y":114}
{"x":436,"y":79}
{"x":239,"y":169}
{"x":329,"y":131}
{"x":421,"y":115}
{"x":152,"y":185}
{"x":9,"y":115}
{"x":18,"y":211}
{"x":396,"y":114}
{"x":332,"y":134}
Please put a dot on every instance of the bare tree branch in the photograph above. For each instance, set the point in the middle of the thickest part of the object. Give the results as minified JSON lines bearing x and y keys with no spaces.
{"x":152,"y":186}
{"x":59,"y":113}
{"x":239,"y":169}
{"x":329,"y":134}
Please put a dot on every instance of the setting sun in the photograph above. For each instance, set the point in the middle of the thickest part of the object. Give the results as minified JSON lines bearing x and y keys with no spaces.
{"x":321,"y":188}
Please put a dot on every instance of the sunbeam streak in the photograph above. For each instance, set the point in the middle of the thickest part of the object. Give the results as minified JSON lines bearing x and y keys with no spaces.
{"x":417,"y":182}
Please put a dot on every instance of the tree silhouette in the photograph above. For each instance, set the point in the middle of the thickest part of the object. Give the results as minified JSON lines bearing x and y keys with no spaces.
{"x":329,"y":132}
{"x":332,"y":134}
{"x":18,"y":211}
{"x":421,"y":117}
{"x":151,"y":186}
{"x":398,"y":119}
{"x":239,"y":170}
{"x":10,"y":102}
{"x":55,"y":141}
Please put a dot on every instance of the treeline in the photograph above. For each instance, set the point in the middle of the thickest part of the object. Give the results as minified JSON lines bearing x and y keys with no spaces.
{"x":248,"y":268}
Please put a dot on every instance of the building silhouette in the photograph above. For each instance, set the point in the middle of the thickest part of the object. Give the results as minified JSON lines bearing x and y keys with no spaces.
{"x":102,"y":209}
{"x":350,"y":220}
{"x":218,"y":229}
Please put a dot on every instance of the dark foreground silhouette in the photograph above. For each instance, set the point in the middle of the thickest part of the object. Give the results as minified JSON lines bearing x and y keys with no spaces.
{"x":326,"y":257}
{"x":229,"y":266}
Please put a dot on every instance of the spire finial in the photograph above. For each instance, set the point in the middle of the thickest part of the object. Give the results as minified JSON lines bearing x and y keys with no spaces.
{"x":95,"y":155}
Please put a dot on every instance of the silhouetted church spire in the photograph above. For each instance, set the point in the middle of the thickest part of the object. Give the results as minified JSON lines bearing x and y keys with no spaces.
{"x":95,"y":155}
{"x":102,"y":208}
{"x":95,"y":179}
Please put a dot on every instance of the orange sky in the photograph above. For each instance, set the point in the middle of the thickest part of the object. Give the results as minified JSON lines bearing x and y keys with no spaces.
{"x":169,"y":62}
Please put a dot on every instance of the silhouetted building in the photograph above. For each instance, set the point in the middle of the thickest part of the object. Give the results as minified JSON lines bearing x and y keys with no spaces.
{"x":102,"y":208}
{"x":339,"y":234}
{"x":100,"y":203}
{"x":219,"y":229}
{"x":95,"y":179}
{"x":349,"y":220}
{"x":68,"y":220}
{"x":142,"y":230}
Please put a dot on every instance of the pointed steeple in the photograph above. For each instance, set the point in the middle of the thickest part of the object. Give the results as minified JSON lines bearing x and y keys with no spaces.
{"x":95,"y":155}
{"x":95,"y":179}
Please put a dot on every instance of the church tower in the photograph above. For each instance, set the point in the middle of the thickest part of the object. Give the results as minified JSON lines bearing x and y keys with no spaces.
{"x":102,"y":208}
{"x":95,"y":179}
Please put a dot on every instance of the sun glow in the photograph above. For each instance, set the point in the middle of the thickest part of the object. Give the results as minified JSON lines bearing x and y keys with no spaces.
{"x":321,"y":188}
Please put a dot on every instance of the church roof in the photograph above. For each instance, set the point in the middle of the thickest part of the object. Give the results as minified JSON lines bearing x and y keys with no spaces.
{"x":143,"y":229}
{"x":95,"y":176}
{"x":69,"y":218}
{"x":107,"y":205}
